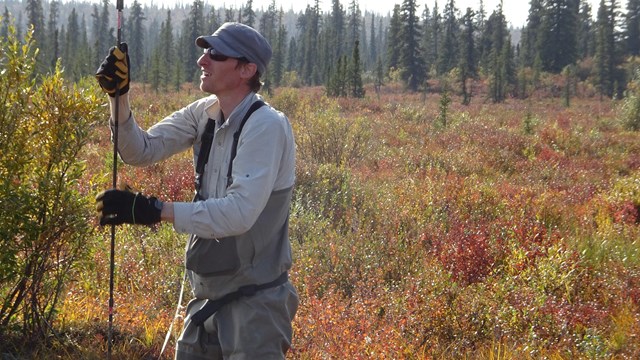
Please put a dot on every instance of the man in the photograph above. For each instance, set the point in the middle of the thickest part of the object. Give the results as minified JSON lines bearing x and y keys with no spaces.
{"x":238,"y":254}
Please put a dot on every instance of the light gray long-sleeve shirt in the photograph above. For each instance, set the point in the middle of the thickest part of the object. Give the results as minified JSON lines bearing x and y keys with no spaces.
{"x":265,"y":162}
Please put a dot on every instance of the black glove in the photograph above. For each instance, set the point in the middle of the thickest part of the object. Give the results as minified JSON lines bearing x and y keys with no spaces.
{"x":114,"y":71}
{"x":122,"y":206}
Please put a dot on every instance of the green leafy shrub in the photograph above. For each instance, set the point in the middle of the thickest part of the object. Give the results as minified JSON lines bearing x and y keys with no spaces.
{"x":323,"y":134}
{"x":631,"y":105}
{"x":43,"y":217}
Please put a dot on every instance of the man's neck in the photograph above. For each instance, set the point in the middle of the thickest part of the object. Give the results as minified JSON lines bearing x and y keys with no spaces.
{"x":228,"y":102}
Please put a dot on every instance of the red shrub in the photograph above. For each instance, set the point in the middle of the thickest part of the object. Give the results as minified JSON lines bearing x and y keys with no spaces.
{"x":466,"y":252}
{"x":626,"y":213}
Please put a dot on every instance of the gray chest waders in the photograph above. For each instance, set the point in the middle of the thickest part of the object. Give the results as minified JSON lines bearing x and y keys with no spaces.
{"x":212,"y":306}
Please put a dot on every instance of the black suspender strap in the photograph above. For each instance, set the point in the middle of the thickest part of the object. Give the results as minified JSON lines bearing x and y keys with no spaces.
{"x":207,"y":140}
{"x":236,"y":137}
{"x":205,"y":148}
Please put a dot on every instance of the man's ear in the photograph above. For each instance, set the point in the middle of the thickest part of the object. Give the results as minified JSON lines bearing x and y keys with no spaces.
{"x":248,"y":70}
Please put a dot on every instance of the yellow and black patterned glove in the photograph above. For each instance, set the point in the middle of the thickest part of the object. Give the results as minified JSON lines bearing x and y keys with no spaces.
{"x":113,"y":73}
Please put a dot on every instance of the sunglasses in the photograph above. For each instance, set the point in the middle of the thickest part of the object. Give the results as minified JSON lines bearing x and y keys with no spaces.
{"x":221,"y":57}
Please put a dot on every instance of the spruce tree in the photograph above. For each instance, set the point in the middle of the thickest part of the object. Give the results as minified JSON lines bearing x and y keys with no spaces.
{"x":529,"y":48}
{"x":393,"y":40}
{"x":35,"y":16}
{"x":135,"y":38}
{"x":426,"y":42}
{"x":52,"y":48}
{"x":558,"y":36}
{"x":4,"y":26}
{"x":269,"y":23}
{"x":373,"y":48}
{"x":248,"y":15}
{"x":353,"y":26}
{"x":467,"y":63}
{"x":310,"y":45}
{"x":412,"y":68}
{"x":70,"y":57}
{"x":103,"y":32}
{"x":605,"y":48}
{"x":500,"y":67}
{"x":194,"y":28}
{"x":632,"y":27}
{"x":364,"y":44}
{"x":436,"y":34}
{"x":355,"y":74}
{"x":448,"y":57}
{"x":166,"y":52}
{"x":279,"y":50}
{"x":585,"y":37}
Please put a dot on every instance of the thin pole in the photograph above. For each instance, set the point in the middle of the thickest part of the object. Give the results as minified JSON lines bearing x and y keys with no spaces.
{"x":112,"y":264}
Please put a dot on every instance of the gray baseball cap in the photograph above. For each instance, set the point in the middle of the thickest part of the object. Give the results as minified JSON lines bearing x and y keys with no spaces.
{"x":239,"y":40}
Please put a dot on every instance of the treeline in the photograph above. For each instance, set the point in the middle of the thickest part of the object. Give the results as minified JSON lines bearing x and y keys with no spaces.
{"x":343,"y":48}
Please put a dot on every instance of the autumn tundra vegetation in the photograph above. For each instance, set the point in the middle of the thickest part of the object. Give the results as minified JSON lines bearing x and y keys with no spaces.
{"x":425,"y":224}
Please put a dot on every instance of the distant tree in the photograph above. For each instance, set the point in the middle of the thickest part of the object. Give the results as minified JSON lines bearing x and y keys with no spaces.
{"x":335,"y":31}
{"x":426,"y":42}
{"x":393,"y":39}
{"x":356,"y":86}
{"x":166,"y":51}
{"x":178,"y":67}
{"x":632,"y":27}
{"x":373,"y":48}
{"x":605,"y":49}
{"x":292,"y":55}
{"x":499,"y":66}
{"x":35,"y":17}
{"x":436,"y":34}
{"x":52,"y":48}
{"x":448,"y":57}
{"x":193,"y":28}
{"x":279,"y":51}
{"x":310,"y":73}
{"x":412,"y":67}
{"x":530,"y":34}
{"x":212,"y":21}
{"x":103,"y":33}
{"x":70,"y":56}
{"x":85,"y":66}
{"x":381,"y":38}
{"x":135,"y":38}
{"x":337,"y":84}
{"x":353,"y":26}
{"x":248,"y":15}
{"x":379,"y":78}
{"x":558,"y":36}
{"x":4,"y":25}
{"x":229,"y":15}
{"x":364,"y":44}
{"x":269,"y":22}
{"x":585,"y":36}
{"x":467,"y":60}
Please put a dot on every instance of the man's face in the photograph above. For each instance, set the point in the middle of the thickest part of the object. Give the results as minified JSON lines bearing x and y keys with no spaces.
{"x":220,"y":74}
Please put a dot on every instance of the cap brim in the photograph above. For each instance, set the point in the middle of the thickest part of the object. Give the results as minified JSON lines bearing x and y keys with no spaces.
{"x":206,"y":42}
{"x":203,"y":42}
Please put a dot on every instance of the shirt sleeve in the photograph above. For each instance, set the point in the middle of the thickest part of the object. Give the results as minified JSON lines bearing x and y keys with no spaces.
{"x":172,"y":135}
